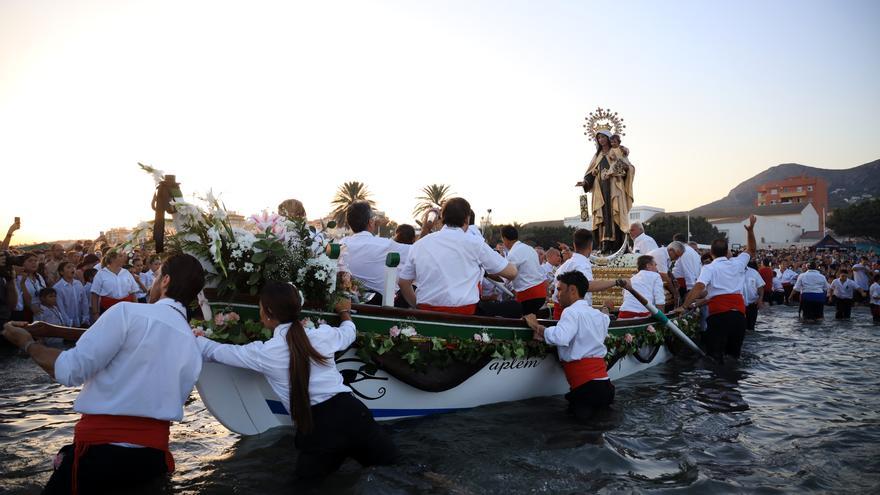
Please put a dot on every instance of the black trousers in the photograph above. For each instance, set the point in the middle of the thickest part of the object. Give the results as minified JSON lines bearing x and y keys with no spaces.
{"x":875,"y":312}
{"x":107,"y":469}
{"x":777,"y":298}
{"x":813,"y":310}
{"x":585,"y":400}
{"x":751,"y":316}
{"x":844,"y":309}
{"x":724,"y":334}
{"x":344,"y":427}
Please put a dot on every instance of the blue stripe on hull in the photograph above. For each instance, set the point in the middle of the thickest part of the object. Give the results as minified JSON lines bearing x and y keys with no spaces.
{"x":278,"y":408}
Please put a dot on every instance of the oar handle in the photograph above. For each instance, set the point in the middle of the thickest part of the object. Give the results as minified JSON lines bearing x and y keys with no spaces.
{"x":41,"y":329}
{"x":660,"y":317}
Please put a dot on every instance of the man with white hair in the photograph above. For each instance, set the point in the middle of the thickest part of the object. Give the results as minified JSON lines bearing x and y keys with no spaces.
{"x":687,"y":265}
{"x":642,"y":242}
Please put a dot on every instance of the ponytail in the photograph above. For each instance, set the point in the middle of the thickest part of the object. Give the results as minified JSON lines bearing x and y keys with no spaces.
{"x":281,"y":301}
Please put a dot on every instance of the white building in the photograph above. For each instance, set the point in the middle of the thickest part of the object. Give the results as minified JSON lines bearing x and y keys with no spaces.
{"x":777,"y":225}
{"x":577,"y":223}
{"x":643,"y":213}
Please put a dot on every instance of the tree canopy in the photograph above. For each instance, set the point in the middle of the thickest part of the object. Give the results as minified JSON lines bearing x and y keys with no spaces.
{"x":433,"y":196}
{"x":664,"y":227}
{"x":347,"y":194}
{"x":858,"y":220}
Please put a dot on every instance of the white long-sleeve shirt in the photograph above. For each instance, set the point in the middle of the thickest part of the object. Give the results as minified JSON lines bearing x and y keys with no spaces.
{"x":644,"y":244}
{"x":580,"y":332}
{"x":136,"y":360}
{"x":272,"y":359}
{"x":364,"y":257}
{"x":751,"y":283}
{"x":812,"y":282}
{"x":650,"y":286}
{"x":73,"y":301}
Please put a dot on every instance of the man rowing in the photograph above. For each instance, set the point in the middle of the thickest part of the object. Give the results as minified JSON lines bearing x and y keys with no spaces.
{"x":580,"y":262}
{"x":530,"y":284}
{"x":137,"y":366}
{"x":723,"y":280}
{"x":447,"y":266}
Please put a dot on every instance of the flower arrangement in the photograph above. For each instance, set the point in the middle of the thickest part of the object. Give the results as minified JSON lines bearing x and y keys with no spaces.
{"x":241,"y":260}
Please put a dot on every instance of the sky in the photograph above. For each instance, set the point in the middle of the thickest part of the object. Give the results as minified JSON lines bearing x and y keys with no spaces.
{"x":263,"y":101}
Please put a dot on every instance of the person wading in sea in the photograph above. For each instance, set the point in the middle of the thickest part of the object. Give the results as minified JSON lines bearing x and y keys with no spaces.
{"x":137,"y":366}
{"x":579,"y":337}
{"x":723,"y":280}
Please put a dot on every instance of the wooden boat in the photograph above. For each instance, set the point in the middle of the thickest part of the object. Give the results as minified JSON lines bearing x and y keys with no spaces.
{"x":242,"y":400}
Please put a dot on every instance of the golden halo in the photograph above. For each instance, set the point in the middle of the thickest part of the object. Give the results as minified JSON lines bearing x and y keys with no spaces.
{"x":603,"y":119}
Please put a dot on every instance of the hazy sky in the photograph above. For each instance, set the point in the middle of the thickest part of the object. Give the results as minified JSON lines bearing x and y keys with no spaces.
{"x":268,"y":100}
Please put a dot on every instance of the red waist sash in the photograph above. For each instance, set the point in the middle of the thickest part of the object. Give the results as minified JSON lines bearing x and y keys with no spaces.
{"x":727,"y":302}
{"x":100,"y":429}
{"x":557,"y":311}
{"x":536,"y":292}
{"x":682,"y":284}
{"x":583,"y":370}
{"x":459,"y":310}
{"x":633,"y":314}
{"x":107,"y":302}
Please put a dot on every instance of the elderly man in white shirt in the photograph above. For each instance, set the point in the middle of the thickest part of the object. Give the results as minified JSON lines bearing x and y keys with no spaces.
{"x":137,"y":366}
{"x":447,"y":266}
{"x":642,"y":242}
{"x":364,"y":254}
{"x":812,"y":287}
{"x":687,"y":265}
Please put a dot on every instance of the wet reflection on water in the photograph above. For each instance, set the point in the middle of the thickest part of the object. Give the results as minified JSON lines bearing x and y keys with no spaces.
{"x":798,"y":413}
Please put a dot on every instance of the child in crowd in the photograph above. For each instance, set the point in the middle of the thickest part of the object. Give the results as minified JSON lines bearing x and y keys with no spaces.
{"x":50,"y":313}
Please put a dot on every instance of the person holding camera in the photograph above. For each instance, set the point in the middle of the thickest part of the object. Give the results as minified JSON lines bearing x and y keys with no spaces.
{"x":28,"y":285}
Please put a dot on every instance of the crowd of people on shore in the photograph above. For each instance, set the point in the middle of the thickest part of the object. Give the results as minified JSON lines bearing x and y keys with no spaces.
{"x":139,"y":362}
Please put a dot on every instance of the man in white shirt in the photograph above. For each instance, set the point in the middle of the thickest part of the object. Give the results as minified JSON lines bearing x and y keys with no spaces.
{"x":553,"y":258}
{"x":363,"y":254}
{"x":579,"y":337}
{"x":149,"y":276}
{"x":530,"y":284}
{"x":843,"y":288}
{"x":661,"y":260}
{"x":646,"y":282}
{"x":72,"y":297}
{"x":753,"y":293}
{"x":874,"y":292}
{"x":580,"y":261}
{"x":812,"y":287}
{"x":112,"y":285}
{"x":642,"y":242}
{"x":137,"y":366}
{"x":861,"y":275}
{"x":447,"y":266}
{"x":722,"y":280}
{"x":687,"y":266}
{"x":789,"y":277}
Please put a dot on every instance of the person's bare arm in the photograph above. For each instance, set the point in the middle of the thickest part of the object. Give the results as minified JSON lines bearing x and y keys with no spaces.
{"x":407,"y":291}
{"x":694,"y":294}
{"x":752,"y":245}
{"x":8,"y":239}
{"x":509,"y":272}
{"x":600,"y":285}
{"x":45,"y":357}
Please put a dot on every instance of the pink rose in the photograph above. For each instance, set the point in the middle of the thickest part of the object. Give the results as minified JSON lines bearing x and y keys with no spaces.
{"x":651,"y":329}
{"x":232,"y":316}
{"x":394,"y":331}
{"x":628,"y":338}
{"x":218,"y":319}
{"x":478,"y":337}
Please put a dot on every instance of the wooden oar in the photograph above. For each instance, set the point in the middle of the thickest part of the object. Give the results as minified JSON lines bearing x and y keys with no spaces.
{"x":660,"y":317}
{"x":41,"y":329}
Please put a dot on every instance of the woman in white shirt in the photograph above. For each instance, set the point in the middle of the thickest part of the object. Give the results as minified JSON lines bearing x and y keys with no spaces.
{"x":331,"y":424}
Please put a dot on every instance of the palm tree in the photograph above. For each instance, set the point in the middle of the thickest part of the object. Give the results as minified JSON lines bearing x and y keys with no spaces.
{"x":347,"y":194}
{"x":433,"y":196}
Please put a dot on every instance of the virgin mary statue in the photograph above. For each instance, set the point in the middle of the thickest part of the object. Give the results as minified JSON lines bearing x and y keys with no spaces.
{"x":609,"y":178}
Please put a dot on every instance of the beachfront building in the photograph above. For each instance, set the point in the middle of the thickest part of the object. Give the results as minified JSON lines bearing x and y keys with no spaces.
{"x":644,"y":213}
{"x":778,"y":225}
{"x":794,"y":190}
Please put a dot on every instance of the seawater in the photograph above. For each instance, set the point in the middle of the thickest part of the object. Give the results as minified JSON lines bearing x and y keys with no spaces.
{"x":799,"y":413}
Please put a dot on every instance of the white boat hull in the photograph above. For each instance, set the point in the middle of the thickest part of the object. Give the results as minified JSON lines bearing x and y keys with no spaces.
{"x":243,"y":402}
